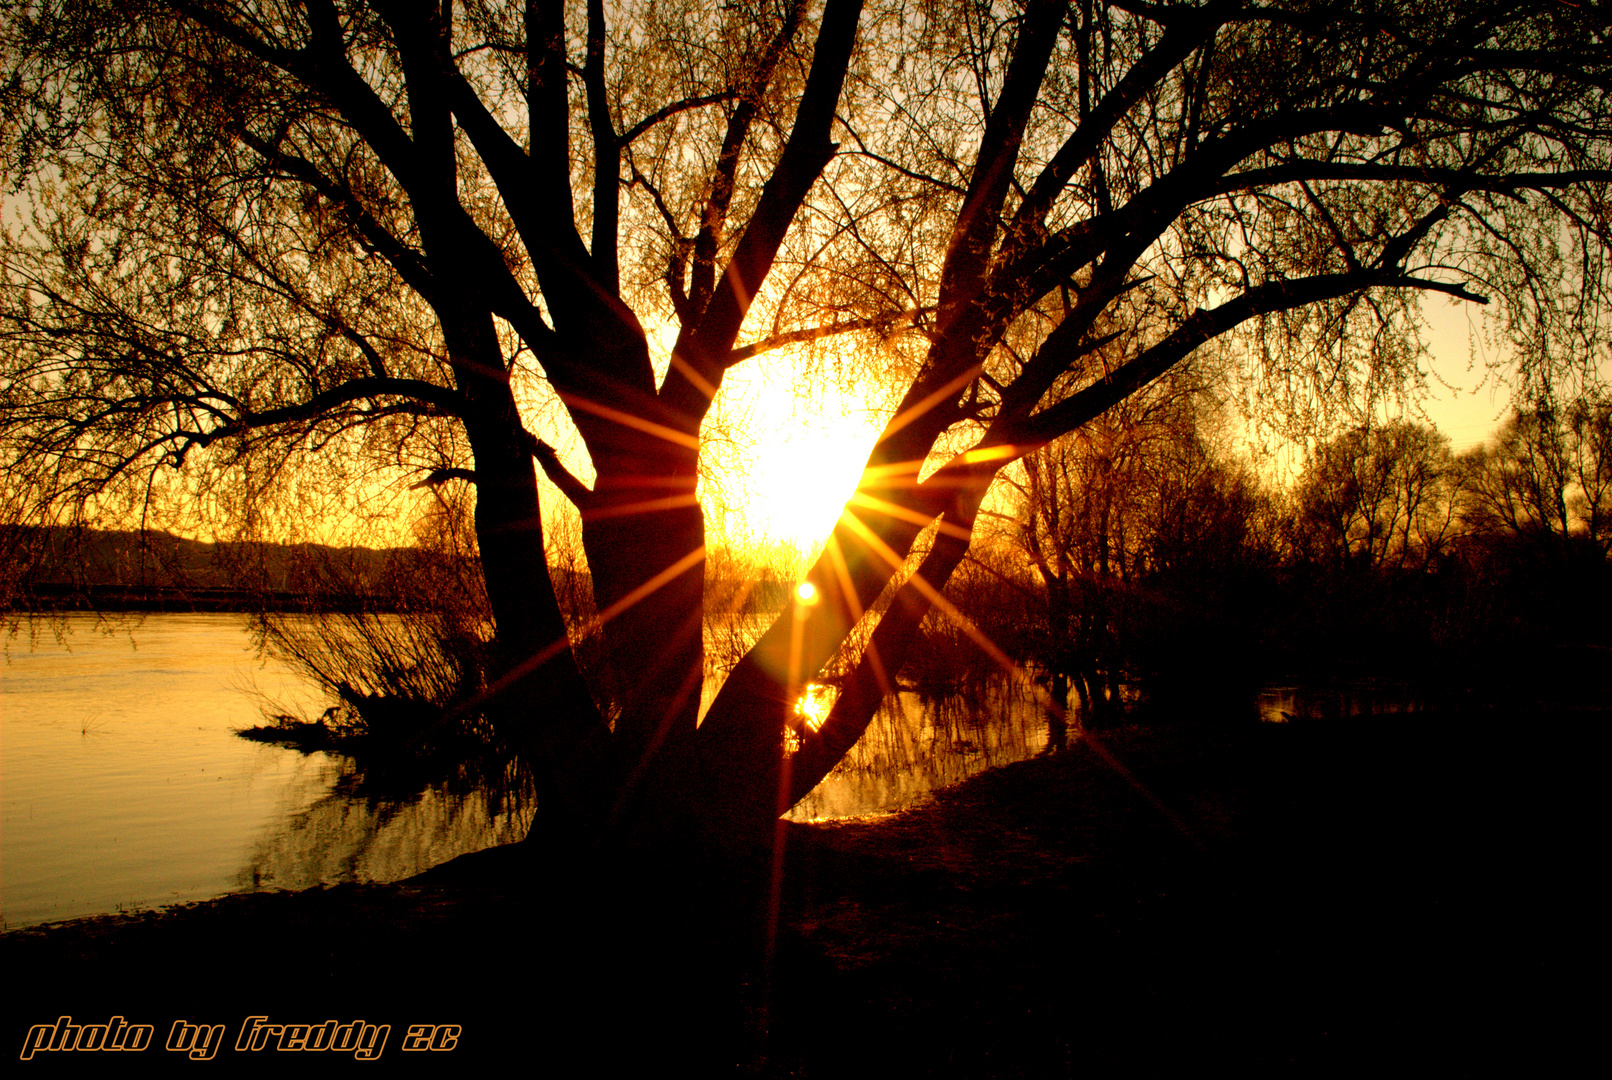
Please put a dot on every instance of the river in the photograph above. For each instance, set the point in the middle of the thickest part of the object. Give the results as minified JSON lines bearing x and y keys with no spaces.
{"x":123,"y":785}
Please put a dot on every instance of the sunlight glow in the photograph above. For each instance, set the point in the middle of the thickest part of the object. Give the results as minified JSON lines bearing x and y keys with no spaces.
{"x":987,"y":454}
{"x":790,"y":484}
{"x":671,"y":435}
{"x":814,"y":704}
{"x":806,"y":593}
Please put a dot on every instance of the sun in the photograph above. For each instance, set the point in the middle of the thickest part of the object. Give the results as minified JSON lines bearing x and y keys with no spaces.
{"x":796,"y":488}
{"x":788,"y":481}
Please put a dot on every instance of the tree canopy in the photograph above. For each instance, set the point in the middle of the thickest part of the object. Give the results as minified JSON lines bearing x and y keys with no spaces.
{"x":264,"y":228}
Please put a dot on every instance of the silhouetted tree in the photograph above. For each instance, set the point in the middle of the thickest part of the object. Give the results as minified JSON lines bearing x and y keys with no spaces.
{"x":1548,"y":474}
{"x":1378,"y":498}
{"x":1151,"y":550}
{"x":1535,"y":511}
{"x":1087,"y":508}
{"x":263,"y":229}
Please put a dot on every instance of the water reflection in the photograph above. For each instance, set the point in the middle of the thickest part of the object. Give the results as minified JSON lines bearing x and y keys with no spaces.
{"x":1283,"y":704}
{"x":125,"y":786}
{"x":123,"y":783}
{"x":917,"y":744}
{"x":339,"y":837}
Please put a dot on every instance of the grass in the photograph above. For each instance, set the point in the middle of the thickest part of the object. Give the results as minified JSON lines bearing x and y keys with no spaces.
{"x":330,"y":732}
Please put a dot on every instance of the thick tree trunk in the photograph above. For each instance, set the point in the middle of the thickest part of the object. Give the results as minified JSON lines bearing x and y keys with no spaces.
{"x":536,"y":694}
{"x":645,"y":540}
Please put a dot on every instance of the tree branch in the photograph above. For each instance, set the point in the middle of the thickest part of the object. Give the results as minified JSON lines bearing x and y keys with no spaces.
{"x":437,"y":477}
{"x":713,"y":219}
{"x":666,"y":112}
{"x":606,"y":155}
{"x":561,"y":477}
{"x":441,"y":399}
{"x":805,"y":154}
{"x":1180,"y":39}
{"x":883,"y":323}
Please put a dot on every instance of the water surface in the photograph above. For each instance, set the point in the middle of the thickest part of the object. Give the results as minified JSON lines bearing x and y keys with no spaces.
{"x":123,"y":784}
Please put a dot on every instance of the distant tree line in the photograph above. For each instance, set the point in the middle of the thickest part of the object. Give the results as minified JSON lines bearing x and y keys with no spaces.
{"x":56,"y":568}
{"x":1139,"y":559}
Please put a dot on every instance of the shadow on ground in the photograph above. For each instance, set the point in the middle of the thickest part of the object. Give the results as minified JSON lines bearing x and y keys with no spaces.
{"x":1406,"y":892}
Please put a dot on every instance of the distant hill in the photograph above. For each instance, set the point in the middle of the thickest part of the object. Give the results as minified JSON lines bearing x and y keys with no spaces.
{"x":58,"y":568}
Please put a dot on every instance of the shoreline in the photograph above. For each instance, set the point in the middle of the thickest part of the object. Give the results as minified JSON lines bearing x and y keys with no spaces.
{"x":1288,"y":898}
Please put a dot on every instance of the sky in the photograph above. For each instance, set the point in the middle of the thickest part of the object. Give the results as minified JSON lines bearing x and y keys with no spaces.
{"x":1467,"y":399}
{"x":795,"y":460}
{"x":783,"y":464}
{"x":809,"y":452}
{"x":806,"y":460}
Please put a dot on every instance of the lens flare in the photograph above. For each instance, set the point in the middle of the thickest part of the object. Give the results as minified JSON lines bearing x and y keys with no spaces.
{"x":813,"y":705}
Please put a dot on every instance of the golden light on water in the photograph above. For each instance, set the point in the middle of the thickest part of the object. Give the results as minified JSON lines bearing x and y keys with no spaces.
{"x":814,"y":704}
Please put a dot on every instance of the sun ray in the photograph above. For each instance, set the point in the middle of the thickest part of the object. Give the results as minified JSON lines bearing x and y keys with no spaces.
{"x":930,"y":401}
{"x":698,"y":381}
{"x":690,"y":685}
{"x":933,"y":595}
{"x":637,"y":423}
{"x":975,"y":634}
{"x":651,"y":481}
{"x":880,"y":675}
{"x":657,"y":582}
{"x":871,"y":539}
{"x":736,"y":283}
{"x":897,"y":472}
{"x":1001,"y":658}
{"x":552,"y":649}
{"x":842,"y":573}
{"x":646,"y":506}
{"x":980,"y":455}
{"x":902,"y":513}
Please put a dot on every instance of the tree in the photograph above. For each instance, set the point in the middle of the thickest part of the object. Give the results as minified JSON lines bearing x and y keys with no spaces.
{"x":265,"y":228}
{"x":1084,"y":519}
{"x":1379,"y":498}
{"x":1150,"y":544}
{"x":1547,"y":476}
{"x":1535,"y":509}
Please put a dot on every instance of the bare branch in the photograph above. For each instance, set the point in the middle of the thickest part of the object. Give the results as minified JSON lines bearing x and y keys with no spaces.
{"x":884,"y":324}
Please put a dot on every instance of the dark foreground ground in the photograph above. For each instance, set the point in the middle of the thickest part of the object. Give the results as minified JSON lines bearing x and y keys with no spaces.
{"x":1401,"y":895}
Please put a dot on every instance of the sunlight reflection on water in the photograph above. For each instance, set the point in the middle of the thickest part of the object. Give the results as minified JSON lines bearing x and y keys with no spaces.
{"x":917,"y":744}
{"x":124,"y":786}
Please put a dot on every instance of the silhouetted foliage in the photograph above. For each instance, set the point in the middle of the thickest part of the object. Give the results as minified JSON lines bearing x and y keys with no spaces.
{"x":1547,"y":477}
{"x":1377,"y":499}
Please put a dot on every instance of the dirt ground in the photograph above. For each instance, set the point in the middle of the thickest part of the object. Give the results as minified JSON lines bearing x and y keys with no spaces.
{"x":1392,"y":894}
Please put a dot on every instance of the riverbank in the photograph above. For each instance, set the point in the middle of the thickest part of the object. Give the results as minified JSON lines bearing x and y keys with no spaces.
{"x":1283,"y":899}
